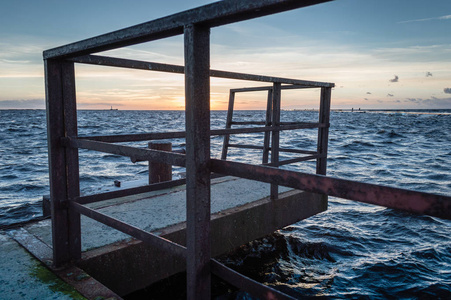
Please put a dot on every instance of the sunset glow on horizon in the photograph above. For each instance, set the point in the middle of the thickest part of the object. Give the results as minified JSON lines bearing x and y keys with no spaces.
{"x":379,"y":54}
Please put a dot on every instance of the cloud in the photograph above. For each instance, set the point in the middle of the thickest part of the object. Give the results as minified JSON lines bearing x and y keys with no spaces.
{"x":394,"y":79}
{"x":447,"y":90}
{"x":433,"y":53}
{"x":447,"y":17}
{"x":428,"y":74}
{"x":22,"y":104}
{"x":390,"y":95}
{"x":432,"y":102}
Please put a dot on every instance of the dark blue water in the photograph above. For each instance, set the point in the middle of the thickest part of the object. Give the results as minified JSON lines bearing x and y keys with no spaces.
{"x":351,"y":251}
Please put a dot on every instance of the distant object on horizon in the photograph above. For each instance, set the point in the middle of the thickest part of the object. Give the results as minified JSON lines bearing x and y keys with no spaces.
{"x":113,"y":108}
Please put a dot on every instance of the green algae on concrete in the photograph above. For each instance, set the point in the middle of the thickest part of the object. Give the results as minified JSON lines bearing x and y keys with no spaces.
{"x":43,"y":274}
{"x":24,"y":277}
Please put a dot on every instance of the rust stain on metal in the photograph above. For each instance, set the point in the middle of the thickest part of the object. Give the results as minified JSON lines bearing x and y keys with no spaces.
{"x":411,"y":201}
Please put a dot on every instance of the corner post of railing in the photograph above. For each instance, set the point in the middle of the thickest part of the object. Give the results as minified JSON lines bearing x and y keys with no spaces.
{"x":267,"y":124}
{"x":323,"y":132}
{"x":197,"y":97}
{"x":276,"y":99}
{"x":225,"y":144}
{"x":63,"y":162}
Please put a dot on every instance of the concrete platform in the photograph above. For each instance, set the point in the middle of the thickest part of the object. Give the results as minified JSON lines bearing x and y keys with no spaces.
{"x":241,"y":212}
{"x":22,"y":276}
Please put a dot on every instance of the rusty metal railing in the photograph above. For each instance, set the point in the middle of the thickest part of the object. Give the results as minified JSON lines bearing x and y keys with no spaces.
{"x":270,"y":114}
{"x":64,"y":142}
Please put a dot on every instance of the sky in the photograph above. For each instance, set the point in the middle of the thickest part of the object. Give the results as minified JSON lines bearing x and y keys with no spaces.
{"x":381,"y":54}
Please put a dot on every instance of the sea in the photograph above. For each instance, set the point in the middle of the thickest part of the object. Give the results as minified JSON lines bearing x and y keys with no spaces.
{"x":353,"y":250}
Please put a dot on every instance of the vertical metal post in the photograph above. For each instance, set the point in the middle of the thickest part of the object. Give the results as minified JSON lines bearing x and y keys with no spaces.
{"x":267,"y":124}
{"x":159,"y":172}
{"x":276,"y":95}
{"x":225,"y":144}
{"x":63,"y":163}
{"x":197,"y":95}
{"x":323,"y":132}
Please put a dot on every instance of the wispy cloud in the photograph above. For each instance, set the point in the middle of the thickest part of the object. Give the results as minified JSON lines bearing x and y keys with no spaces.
{"x":430,"y":102}
{"x":22,"y":104}
{"x":447,"y":17}
{"x":418,"y":53}
{"x":415,"y":100}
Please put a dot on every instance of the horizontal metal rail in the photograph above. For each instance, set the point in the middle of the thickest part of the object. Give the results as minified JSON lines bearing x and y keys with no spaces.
{"x":134,"y":191}
{"x":245,"y":146}
{"x":269,"y":123}
{"x":212,"y":15}
{"x":147,"y":237}
{"x":406,"y":200}
{"x":299,"y":159}
{"x":252,"y":77}
{"x":251,"y":89}
{"x":181,"y":134}
{"x":137,"y":137}
{"x":248,"y":123}
{"x":152,"y":66}
{"x":109,"y":61}
{"x":281,"y":127}
{"x":297,"y":151}
{"x":267,"y":88}
{"x":245,"y":283}
{"x":131,"y":191}
{"x":135,"y":154}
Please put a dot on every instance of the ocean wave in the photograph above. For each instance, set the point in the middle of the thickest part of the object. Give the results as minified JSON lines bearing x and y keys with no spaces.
{"x":352,"y":250}
{"x":12,"y":214}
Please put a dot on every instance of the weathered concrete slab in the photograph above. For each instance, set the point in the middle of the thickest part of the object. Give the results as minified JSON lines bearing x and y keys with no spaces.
{"x":241,"y":212}
{"x":131,"y":265}
{"x":156,"y":210}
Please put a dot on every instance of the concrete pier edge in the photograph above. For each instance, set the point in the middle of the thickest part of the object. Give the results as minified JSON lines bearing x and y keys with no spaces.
{"x":113,"y":265}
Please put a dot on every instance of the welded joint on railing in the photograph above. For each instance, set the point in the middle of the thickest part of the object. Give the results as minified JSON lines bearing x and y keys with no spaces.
{"x":65,"y":142}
